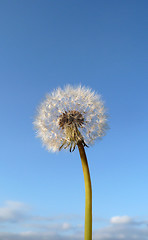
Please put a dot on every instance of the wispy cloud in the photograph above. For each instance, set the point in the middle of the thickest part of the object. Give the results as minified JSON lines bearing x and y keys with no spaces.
{"x":19,"y":215}
{"x":123,"y":232}
{"x":31,"y":227}
{"x":13,"y":212}
{"x":124,"y":228}
{"x":109,"y":233}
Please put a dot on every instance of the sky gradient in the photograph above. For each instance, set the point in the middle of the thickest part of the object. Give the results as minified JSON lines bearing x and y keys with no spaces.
{"x":99,"y":44}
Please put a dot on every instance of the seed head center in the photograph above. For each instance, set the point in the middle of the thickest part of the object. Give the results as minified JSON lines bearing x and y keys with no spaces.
{"x":71,"y":117}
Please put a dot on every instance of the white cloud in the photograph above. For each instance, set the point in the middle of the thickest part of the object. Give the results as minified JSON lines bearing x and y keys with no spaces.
{"x":66,"y":226}
{"x":17,"y":215}
{"x":121,"y":220}
{"x":123,"y":228}
{"x":122,"y":232}
{"x":113,"y":232}
{"x":38,"y":236}
{"x":13,"y":211}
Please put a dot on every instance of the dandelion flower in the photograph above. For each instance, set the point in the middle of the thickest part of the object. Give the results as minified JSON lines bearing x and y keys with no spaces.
{"x":68,"y":118}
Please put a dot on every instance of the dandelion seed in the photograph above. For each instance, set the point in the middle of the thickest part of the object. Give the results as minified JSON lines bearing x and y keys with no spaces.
{"x":69,"y":116}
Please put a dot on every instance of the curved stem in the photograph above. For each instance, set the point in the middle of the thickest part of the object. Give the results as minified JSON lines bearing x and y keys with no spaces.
{"x":88,"y":194}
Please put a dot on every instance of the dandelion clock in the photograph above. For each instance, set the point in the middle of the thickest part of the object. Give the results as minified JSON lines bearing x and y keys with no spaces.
{"x":69,"y":118}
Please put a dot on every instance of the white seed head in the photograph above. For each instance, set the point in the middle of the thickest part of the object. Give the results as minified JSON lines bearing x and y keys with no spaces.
{"x":69,"y":116}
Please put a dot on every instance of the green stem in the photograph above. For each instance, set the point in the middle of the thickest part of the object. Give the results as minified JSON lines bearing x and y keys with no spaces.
{"x":88,"y":194}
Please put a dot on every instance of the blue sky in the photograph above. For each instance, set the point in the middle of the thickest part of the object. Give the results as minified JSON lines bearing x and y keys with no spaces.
{"x":99,"y":44}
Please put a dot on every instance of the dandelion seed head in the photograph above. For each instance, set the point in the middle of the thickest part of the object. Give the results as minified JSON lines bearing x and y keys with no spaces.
{"x":69,"y":116}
